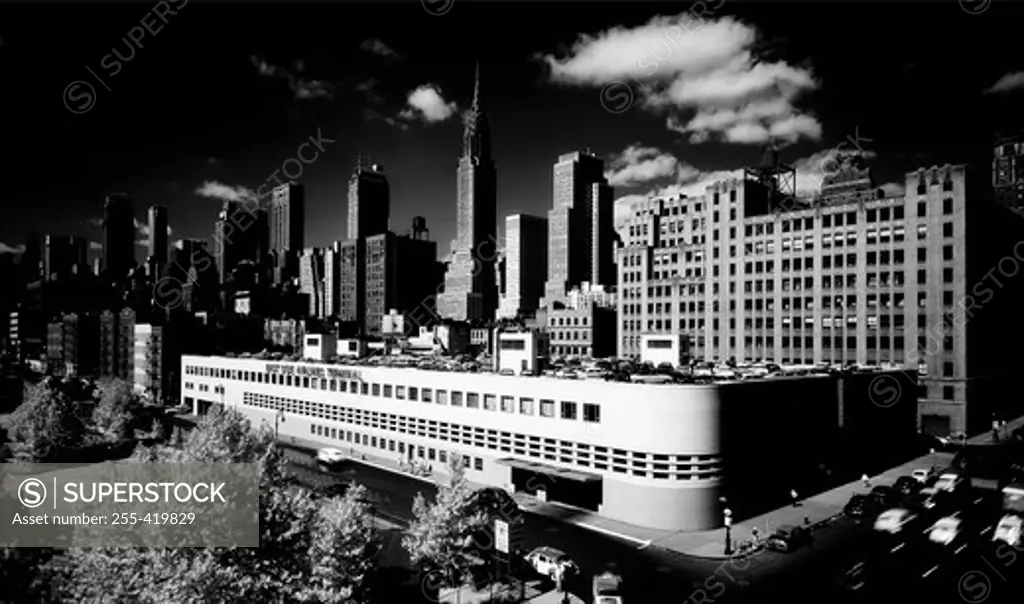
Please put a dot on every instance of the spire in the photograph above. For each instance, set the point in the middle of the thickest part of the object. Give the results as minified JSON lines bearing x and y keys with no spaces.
{"x":359,"y":161}
{"x":476,"y":86}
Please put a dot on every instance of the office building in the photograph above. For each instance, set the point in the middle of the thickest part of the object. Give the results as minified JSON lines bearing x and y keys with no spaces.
{"x":332,"y":280}
{"x":154,"y":363}
{"x":369,"y":201}
{"x":287,"y":229}
{"x":399,"y":276}
{"x":158,"y":236}
{"x":240,"y":235}
{"x":1008,"y":171}
{"x":118,"y":236}
{"x":581,"y":226}
{"x":587,"y":330}
{"x":311,"y":279}
{"x":353,"y":282}
{"x":908,"y":279}
{"x":526,"y":264}
{"x":64,"y":257}
{"x":73,"y":345}
{"x":470,"y":291}
{"x":651,"y":455}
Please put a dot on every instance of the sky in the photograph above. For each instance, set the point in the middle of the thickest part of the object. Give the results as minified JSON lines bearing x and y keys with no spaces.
{"x":206,"y":101}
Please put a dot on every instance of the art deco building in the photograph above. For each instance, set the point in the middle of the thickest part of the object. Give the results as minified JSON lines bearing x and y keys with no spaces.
{"x":581,"y":226}
{"x":287,"y":229}
{"x":470,"y":291}
{"x":921,"y":280}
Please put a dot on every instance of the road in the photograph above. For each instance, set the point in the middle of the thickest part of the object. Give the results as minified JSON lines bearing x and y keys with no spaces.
{"x":651,"y":574}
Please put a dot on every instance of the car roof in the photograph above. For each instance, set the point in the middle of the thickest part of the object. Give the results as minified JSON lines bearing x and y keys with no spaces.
{"x":894,"y":512}
{"x":1011,"y":520}
{"x":548,"y":551}
{"x":948,"y":521}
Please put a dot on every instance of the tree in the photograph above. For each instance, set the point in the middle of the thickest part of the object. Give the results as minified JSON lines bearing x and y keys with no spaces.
{"x":308,"y":552}
{"x":157,"y":431}
{"x":46,"y":426}
{"x":436,"y":538}
{"x":114,"y":414}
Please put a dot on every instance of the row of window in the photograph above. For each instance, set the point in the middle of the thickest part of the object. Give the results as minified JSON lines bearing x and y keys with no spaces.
{"x":389,"y":444}
{"x":569,"y":410}
{"x":636,"y":463}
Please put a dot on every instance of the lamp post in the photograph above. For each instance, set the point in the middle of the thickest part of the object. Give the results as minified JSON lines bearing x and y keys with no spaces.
{"x":727,"y":520}
{"x":932,"y":453}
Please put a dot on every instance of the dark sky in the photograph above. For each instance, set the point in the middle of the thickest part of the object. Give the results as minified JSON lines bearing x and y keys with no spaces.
{"x":191,"y":107}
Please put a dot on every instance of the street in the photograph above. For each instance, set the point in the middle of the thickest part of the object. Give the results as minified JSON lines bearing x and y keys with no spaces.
{"x":893,"y":568}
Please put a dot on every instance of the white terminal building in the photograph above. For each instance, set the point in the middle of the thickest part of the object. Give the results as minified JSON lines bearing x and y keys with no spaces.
{"x":652,"y":455}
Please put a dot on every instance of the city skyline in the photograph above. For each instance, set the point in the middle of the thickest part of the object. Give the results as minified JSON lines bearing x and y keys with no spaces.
{"x":403,"y":111}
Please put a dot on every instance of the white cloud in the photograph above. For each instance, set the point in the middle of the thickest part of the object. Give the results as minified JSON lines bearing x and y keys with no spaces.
{"x":894,"y":189}
{"x":378,"y":47}
{"x":426,"y":104}
{"x":637,"y":164}
{"x":1010,"y":81}
{"x":218,"y":190}
{"x":693,"y":184}
{"x":7,"y":249}
{"x":304,"y":89}
{"x":705,"y":76}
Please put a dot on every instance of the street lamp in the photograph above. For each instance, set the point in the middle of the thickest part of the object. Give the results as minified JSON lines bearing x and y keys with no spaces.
{"x":727,"y":520}
{"x":932,"y":453}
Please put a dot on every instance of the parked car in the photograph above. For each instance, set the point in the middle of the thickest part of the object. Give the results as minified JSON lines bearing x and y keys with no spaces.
{"x":893,"y":521}
{"x":951,"y":482}
{"x":1008,"y":530}
{"x":946,"y":531}
{"x":924,"y":476}
{"x":858,"y":506}
{"x":607,"y":588}
{"x":787,"y":538}
{"x":546,"y":561}
{"x":906,"y":485}
{"x":497,"y":503}
{"x":330,"y":456}
{"x":884,"y":496}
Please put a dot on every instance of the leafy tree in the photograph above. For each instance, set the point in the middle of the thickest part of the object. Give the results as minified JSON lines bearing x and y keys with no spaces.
{"x":114,"y":414}
{"x":310,"y":552}
{"x":437,"y":536}
{"x":46,"y":426}
{"x":157,"y":431}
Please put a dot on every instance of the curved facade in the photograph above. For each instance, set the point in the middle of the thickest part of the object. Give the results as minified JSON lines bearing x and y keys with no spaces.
{"x":644,"y":454}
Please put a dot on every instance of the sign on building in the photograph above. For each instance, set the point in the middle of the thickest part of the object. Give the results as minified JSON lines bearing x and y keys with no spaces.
{"x":501,"y":537}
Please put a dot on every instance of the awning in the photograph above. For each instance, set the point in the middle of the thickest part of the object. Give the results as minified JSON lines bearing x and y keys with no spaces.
{"x":541,"y":468}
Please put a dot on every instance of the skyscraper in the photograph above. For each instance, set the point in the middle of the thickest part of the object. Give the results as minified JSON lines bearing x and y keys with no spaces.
{"x":239,"y":234}
{"x":64,"y":256}
{"x":158,"y":235}
{"x":369,"y":201}
{"x":118,"y":235}
{"x":311,"y":279}
{"x":526,"y":264}
{"x":470,"y":290}
{"x":581,"y":227}
{"x":287,"y":229}
{"x":332,"y":280}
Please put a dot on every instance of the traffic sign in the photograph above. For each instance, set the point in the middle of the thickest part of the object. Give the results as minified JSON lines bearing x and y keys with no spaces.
{"x":501,"y":540}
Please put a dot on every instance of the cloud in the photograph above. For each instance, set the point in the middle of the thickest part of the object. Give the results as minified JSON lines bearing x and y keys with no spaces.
{"x":894,"y":189}
{"x":378,"y":47}
{"x":373,"y":115}
{"x":705,"y":77}
{"x":304,"y":89}
{"x":637,"y":165}
{"x":1010,"y":81}
{"x":691,"y":183}
{"x":426,"y":104}
{"x":369,"y":89}
{"x":213,"y":189}
{"x":7,"y":249}
{"x":96,"y":246}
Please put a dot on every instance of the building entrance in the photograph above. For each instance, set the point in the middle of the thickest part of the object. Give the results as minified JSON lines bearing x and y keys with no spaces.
{"x":578,"y":489}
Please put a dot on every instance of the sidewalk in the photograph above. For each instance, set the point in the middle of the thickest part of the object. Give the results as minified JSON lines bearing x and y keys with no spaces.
{"x":817,"y":509}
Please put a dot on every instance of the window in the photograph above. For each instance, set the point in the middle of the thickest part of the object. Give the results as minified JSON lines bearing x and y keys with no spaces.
{"x":547,"y":408}
{"x":948,"y":393}
{"x":922,"y":209}
{"x":490,"y":402}
{"x":427,"y":396}
{"x":568,"y":410}
{"x":442,"y":397}
{"x":400,"y":392}
{"x":478,"y":464}
{"x":456,"y":398}
{"x":387,"y":390}
{"x":526,"y":406}
{"x":947,"y":229}
{"x":472,"y":400}
{"x":947,"y":369}
{"x":375,"y":389}
{"x":947,"y":275}
{"x":591,"y":412}
{"x":508,"y":404}
{"x":947,"y":206}
{"x":947,"y":252}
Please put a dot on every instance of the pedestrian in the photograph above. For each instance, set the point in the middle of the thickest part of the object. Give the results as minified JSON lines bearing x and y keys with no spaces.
{"x":867,"y":481}
{"x":995,"y":435}
{"x":807,"y":521}
{"x":756,"y":533}
{"x":793,"y":495}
